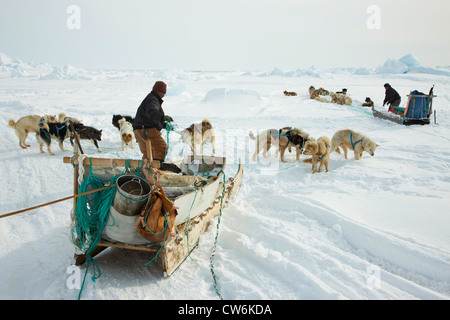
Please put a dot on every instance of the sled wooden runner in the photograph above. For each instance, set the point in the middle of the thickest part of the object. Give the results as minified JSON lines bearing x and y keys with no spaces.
{"x":211,"y":198}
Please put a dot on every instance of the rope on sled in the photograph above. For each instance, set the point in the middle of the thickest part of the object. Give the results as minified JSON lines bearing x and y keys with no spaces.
{"x":91,"y":214}
{"x":188,"y":220}
{"x":213,"y":252}
{"x":171,"y":128}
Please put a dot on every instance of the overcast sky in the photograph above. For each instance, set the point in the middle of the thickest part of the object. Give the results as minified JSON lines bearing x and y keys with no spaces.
{"x":248,"y":35}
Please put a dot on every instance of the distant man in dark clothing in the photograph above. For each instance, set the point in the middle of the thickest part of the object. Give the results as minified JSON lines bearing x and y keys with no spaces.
{"x":149,"y":122}
{"x":392,"y":97}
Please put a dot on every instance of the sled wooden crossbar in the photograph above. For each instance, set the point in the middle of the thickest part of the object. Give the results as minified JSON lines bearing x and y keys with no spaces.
{"x":105,"y":162}
{"x":184,"y":237}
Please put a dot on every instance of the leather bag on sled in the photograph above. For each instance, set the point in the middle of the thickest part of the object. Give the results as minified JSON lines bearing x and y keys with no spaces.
{"x":157,"y":219}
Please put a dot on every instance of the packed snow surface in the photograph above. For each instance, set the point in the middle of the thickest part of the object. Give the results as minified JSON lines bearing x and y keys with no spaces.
{"x":377,"y":228}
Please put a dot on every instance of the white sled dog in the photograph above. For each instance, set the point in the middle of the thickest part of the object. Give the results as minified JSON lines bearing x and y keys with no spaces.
{"x":126,"y":133}
{"x":356,"y":141}
{"x":28,"y":124}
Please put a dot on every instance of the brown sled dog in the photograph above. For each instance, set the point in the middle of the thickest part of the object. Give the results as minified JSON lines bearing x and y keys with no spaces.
{"x":199,"y":134}
{"x":320,"y":151}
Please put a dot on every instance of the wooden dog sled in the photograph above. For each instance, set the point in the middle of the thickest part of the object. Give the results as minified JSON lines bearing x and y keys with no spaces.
{"x":196,"y":204}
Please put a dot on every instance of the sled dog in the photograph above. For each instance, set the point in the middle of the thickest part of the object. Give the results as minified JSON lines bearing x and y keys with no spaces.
{"x":28,"y":124}
{"x":281,"y":139}
{"x":57,"y":131}
{"x":199,"y":134}
{"x":86,"y":133}
{"x":368,"y":102}
{"x":320,"y":150}
{"x":341,"y":99}
{"x":358,"y":142}
{"x":314,"y":93}
{"x":126,"y":133}
{"x":117,"y":117}
{"x":318,"y":94}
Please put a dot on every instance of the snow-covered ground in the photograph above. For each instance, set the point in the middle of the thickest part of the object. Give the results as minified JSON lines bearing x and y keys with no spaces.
{"x":378,"y":228}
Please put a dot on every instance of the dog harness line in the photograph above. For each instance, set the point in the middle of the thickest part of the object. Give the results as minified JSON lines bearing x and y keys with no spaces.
{"x":321,"y":157}
{"x":57,"y":129}
{"x":353,"y":143}
{"x":287,"y":134}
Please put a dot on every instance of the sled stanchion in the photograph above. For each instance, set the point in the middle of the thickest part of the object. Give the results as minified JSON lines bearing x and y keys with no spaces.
{"x":77,"y":140}
{"x":149,"y":150}
{"x":153,"y":163}
{"x":75,"y":184}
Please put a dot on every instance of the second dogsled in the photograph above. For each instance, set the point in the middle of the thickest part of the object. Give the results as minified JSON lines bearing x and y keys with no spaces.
{"x":418,"y":110}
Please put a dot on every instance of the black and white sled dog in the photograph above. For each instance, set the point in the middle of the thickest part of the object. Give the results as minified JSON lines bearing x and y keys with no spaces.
{"x":117,"y":117}
{"x":57,"y":131}
{"x":86,"y":133}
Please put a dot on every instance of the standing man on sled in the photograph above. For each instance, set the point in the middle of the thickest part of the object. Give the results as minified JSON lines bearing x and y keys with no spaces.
{"x":149,"y":121}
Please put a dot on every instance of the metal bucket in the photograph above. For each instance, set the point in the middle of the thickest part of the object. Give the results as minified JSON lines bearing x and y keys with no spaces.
{"x":131,"y":195}
{"x":122,"y":228}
